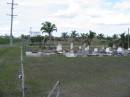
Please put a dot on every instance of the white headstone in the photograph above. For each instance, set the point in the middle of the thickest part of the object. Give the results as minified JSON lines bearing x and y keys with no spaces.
{"x":114,"y":46}
{"x":108,"y":50}
{"x":95,"y":49}
{"x":31,"y":54}
{"x":120,"y":50}
{"x":70,"y":54}
{"x":71,"y":46}
{"x":87,"y":48}
{"x":128,"y":49}
{"x":59,"y":47}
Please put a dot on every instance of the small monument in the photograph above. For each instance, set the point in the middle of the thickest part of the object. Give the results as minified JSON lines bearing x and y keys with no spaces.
{"x":120,"y":50}
{"x":114,"y":46}
{"x":87,"y":48}
{"x":33,"y":54}
{"x":59,"y":48}
{"x":95,"y":52}
{"x":128,"y":50}
{"x":95,"y":49}
{"x":108,"y":51}
{"x":71,"y":46}
{"x":80,"y":47}
{"x":71,"y":53}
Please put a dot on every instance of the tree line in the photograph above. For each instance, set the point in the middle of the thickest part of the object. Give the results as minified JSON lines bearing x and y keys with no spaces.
{"x":84,"y":38}
{"x":115,"y":40}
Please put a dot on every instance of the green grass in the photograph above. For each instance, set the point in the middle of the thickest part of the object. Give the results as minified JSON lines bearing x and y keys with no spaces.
{"x":79,"y":77}
{"x":9,"y":61}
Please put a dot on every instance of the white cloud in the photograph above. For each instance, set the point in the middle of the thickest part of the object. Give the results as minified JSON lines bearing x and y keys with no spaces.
{"x":82,"y":15}
{"x":123,"y":5}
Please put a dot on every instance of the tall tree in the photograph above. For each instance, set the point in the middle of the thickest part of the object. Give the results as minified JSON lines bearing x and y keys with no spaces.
{"x":115,"y":40}
{"x":84,"y":37}
{"x":91,"y":35}
{"x":122,"y":39}
{"x":73,"y":35}
{"x":48,"y":28}
{"x":64,"y":35}
{"x":100,"y":36}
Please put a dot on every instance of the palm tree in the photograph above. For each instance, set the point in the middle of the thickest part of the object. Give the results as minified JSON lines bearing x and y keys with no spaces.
{"x":100,"y":36}
{"x":84,"y":37}
{"x":91,"y":35}
{"x":73,"y":35}
{"x":115,"y":40}
{"x":122,"y":39}
{"x":64,"y":35}
{"x":48,"y":28}
{"x":45,"y":41}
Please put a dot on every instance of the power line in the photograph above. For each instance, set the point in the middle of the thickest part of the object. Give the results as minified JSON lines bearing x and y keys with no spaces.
{"x":11,"y":23}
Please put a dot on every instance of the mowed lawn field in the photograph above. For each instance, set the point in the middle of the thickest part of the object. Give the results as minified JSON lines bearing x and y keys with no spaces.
{"x":79,"y":77}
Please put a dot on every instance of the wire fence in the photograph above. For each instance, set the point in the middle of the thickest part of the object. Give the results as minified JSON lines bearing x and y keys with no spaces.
{"x":56,"y":90}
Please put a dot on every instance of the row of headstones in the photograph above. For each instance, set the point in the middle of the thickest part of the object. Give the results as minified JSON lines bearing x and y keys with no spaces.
{"x":59,"y":48}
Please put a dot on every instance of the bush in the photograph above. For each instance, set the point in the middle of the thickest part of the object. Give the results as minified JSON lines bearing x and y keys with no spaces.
{"x":4,"y":40}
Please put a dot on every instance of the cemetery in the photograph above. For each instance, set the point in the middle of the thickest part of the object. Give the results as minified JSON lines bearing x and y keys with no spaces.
{"x":82,"y":51}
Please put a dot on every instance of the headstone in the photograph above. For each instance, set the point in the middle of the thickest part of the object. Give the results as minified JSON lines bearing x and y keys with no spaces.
{"x":128,"y":50}
{"x":108,"y":50}
{"x":59,"y":47}
{"x":120,"y":50}
{"x":114,"y":46}
{"x":84,"y":46}
{"x":70,"y":54}
{"x":95,"y":49}
{"x":87,"y":48}
{"x":71,"y":46}
{"x":32,"y":54}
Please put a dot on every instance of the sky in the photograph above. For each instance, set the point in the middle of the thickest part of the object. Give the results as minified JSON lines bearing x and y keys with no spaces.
{"x":101,"y":16}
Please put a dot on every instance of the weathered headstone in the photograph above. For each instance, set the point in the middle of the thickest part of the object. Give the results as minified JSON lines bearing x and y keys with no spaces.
{"x":120,"y":50}
{"x":95,"y":49}
{"x":33,"y":54}
{"x":87,"y":48}
{"x":114,"y":46}
{"x":71,"y":53}
{"x":71,"y":46}
{"x":59,"y":47}
{"x":108,"y":51}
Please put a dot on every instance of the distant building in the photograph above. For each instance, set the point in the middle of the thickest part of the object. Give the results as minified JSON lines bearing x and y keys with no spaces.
{"x":34,"y":34}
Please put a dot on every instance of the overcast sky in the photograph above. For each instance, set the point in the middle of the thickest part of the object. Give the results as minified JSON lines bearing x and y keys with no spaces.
{"x":101,"y":16}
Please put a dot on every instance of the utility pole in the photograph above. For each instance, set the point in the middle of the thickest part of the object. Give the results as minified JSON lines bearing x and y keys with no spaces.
{"x":128,"y":38}
{"x":11,"y":22}
{"x":22,"y":72}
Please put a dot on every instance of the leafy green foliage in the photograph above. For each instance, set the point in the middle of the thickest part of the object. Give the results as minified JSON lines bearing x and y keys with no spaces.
{"x":48,"y":28}
{"x":4,"y":40}
{"x":65,"y":35}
